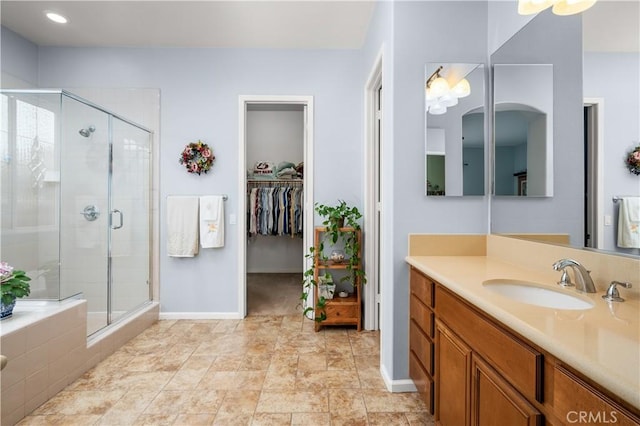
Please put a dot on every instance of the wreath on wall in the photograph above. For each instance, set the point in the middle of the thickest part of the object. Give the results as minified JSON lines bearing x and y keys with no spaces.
{"x":197,"y":157}
{"x":633,"y":161}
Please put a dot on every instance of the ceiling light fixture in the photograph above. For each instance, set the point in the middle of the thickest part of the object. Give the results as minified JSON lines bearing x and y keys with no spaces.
{"x":56,"y":17}
{"x":440,"y":95}
{"x":560,"y":7}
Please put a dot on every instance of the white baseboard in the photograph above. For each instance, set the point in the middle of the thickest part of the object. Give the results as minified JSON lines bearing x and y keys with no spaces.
{"x":199,"y":315}
{"x":405,"y":385}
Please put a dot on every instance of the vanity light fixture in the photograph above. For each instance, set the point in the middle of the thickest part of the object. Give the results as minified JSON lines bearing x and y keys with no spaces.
{"x":439,"y":95}
{"x":56,"y":17}
{"x":560,"y":7}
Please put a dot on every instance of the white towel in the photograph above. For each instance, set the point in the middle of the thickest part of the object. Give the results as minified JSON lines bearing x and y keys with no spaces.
{"x":211,"y":221}
{"x":182,"y":226}
{"x":629,"y":222}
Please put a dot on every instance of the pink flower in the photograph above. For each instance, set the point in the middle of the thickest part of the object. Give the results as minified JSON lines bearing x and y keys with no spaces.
{"x":206,"y":153}
{"x":636,"y":156}
{"x":193,"y":167}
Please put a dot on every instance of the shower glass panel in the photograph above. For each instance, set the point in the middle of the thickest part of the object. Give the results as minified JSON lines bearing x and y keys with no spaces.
{"x":75,"y":212}
{"x":84,"y":175}
{"x":130,"y":207}
{"x":30,"y":186}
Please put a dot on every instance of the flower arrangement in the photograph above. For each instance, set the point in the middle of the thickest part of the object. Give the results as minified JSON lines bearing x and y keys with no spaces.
{"x":633,"y":161}
{"x":197,"y":157}
{"x":13,"y":283}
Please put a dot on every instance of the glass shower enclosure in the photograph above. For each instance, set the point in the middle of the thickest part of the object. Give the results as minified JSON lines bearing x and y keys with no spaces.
{"x":75,"y":214}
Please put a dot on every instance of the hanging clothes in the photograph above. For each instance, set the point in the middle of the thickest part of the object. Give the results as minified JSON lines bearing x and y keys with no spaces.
{"x":275,"y":210}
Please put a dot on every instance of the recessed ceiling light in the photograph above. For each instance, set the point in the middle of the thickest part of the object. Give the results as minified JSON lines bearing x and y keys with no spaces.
{"x":56,"y":17}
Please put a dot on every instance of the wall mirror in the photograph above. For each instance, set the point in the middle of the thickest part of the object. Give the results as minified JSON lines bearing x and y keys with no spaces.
{"x":454,"y":129}
{"x":523,"y":129}
{"x":577,"y":66}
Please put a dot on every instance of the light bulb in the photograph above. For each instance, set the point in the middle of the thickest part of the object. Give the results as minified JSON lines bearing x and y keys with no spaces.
{"x":461,"y":89}
{"x":530,"y":7}
{"x":571,"y":7}
{"x":449,"y":100}
{"x":437,"y":109}
{"x":439,"y":87}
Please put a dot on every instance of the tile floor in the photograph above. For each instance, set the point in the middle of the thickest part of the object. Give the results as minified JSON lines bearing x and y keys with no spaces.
{"x":263,"y":370}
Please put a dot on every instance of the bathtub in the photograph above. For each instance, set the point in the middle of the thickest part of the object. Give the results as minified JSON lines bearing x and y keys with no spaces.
{"x":47,"y":349}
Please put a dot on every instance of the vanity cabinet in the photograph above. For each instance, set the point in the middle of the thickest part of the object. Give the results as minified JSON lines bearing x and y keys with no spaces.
{"x":421,"y":335}
{"x":574,"y":397}
{"x":483,"y":374}
{"x":473,"y":370}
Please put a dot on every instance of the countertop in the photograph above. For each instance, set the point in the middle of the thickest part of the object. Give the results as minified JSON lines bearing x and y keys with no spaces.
{"x":603,"y":342}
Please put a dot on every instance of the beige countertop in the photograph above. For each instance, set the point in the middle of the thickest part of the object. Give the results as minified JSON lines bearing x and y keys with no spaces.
{"x":603,"y":342}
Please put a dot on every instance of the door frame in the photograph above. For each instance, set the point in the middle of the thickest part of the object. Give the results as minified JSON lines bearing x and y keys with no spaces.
{"x":596,"y":140}
{"x":308,"y":217}
{"x":372,"y":206}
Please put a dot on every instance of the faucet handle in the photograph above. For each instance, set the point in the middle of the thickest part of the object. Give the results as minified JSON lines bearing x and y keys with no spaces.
{"x":612,"y":294}
{"x":565,"y":279}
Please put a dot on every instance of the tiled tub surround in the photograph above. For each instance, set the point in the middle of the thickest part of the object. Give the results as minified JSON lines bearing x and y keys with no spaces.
{"x":47,"y":349}
{"x":602,"y":343}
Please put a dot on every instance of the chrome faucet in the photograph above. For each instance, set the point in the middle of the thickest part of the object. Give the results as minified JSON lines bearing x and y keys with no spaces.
{"x":582,"y":278}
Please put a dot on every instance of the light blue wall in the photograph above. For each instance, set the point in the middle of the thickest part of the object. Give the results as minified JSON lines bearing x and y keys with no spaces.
{"x":19,"y":61}
{"x":425,"y":32}
{"x":199,"y":100}
{"x":619,"y":87}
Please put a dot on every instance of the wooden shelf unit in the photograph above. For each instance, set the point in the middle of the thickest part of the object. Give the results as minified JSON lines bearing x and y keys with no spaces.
{"x":339,"y":310}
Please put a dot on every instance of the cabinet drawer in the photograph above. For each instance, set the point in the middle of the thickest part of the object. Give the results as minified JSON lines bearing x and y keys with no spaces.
{"x":421,"y":346}
{"x":421,"y":287}
{"x":423,"y":382}
{"x":338,"y":312}
{"x":421,"y":315}
{"x":509,"y":355}
{"x":572,"y":397}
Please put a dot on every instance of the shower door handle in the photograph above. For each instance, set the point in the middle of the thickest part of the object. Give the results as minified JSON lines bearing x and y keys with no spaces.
{"x":121,"y":219}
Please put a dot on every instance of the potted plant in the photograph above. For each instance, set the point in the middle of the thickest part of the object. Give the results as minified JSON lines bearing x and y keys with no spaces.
{"x":326,"y":286}
{"x":339,"y":221}
{"x":13,"y":284}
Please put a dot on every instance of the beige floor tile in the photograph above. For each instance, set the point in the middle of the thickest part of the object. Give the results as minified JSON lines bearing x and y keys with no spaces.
{"x":90,"y":402}
{"x":263,"y":370}
{"x":194,"y":419}
{"x":329,"y":379}
{"x":271,"y":419}
{"x":155,"y":419}
{"x":420,"y":419}
{"x":306,"y":419}
{"x":239,"y":402}
{"x":386,"y":419}
{"x":292,"y":401}
{"x":233,"y":419}
{"x":386,"y":402}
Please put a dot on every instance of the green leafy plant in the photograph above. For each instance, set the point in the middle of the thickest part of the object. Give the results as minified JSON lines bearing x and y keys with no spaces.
{"x":339,"y":221}
{"x":13,"y":283}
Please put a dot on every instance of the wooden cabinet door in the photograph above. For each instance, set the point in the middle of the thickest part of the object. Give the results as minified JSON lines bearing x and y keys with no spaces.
{"x":496,"y":402}
{"x":453,"y":368}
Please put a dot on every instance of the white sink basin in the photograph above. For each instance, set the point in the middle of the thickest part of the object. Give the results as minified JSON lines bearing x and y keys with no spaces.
{"x":536,"y":294}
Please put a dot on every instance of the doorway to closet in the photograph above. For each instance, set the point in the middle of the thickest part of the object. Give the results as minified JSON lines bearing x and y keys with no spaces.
{"x":277,"y":209}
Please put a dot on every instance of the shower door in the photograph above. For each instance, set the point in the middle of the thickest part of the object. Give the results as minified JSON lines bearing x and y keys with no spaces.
{"x":105,"y":218}
{"x":84,"y":199}
{"x":129,"y":218}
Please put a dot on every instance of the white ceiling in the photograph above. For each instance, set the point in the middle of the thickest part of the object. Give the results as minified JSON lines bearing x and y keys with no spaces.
{"x":332,"y":24}
{"x":235,"y":23}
